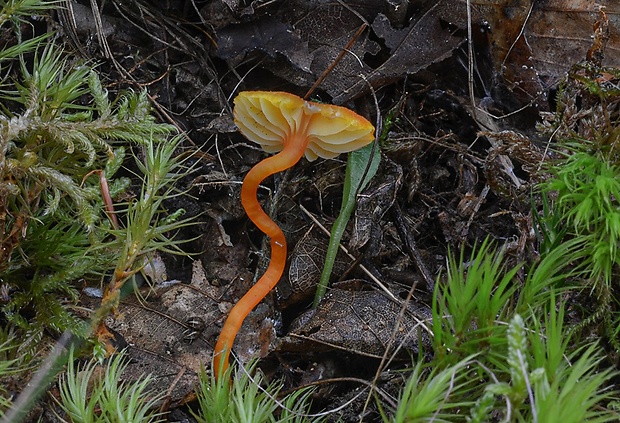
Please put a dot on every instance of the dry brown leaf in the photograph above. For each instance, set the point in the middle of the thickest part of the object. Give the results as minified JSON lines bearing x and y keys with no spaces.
{"x":268,"y":35}
{"x":306,"y":264}
{"x":560,"y":34}
{"x":161,"y":337}
{"x":170,"y":333}
{"x":422,"y":43}
{"x":318,"y":33}
{"x":361,"y":322}
{"x":533,"y":44}
{"x":372,"y":205}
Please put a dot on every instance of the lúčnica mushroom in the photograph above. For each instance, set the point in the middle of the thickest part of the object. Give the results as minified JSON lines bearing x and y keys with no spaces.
{"x":285,"y":124}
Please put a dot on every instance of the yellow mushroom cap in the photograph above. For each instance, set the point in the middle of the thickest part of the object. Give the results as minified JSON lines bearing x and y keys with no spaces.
{"x":271,"y":118}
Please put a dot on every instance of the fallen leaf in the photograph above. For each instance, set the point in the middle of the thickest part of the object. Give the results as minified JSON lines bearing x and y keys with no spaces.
{"x":372,"y":205}
{"x":559,"y":33}
{"x":266,"y":34}
{"x":170,"y":333}
{"x":306,"y":264}
{"x":361,"y":322}
{"x":422,"y":43}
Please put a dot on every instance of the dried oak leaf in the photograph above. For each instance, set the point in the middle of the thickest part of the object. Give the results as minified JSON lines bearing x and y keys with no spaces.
{"x":372,"y":204}
{"x":170,"y":333}
{"x":361,"y":322}
{"x":533,"y":44}
{"x":266,"y":34}
{"x":306,"y":265}
{"x":411,"y":49}
{"x":560,"y":34}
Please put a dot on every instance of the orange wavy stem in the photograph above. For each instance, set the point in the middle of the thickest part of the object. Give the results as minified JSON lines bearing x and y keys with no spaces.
{"x":294,"y":148}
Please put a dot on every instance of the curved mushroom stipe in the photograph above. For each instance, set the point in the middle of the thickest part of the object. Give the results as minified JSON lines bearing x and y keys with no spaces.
{"x":272,"y":275}
{"x":287,"y":124}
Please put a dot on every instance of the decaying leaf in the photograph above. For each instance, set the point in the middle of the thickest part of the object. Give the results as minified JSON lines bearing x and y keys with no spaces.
{"x":372,"y":205}
{"x":322,"y":30}
{"x":170,"y":333}
{"x":361,"y":322}
{"x":560,"y":34}
{"x":533,"y":44}
{"x":427,"y":41}
{"x":266,"y":34}
{"x":306,"y":263}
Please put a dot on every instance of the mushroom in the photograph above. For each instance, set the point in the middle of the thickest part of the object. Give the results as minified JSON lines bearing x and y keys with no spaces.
{"x":283,"y":123}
